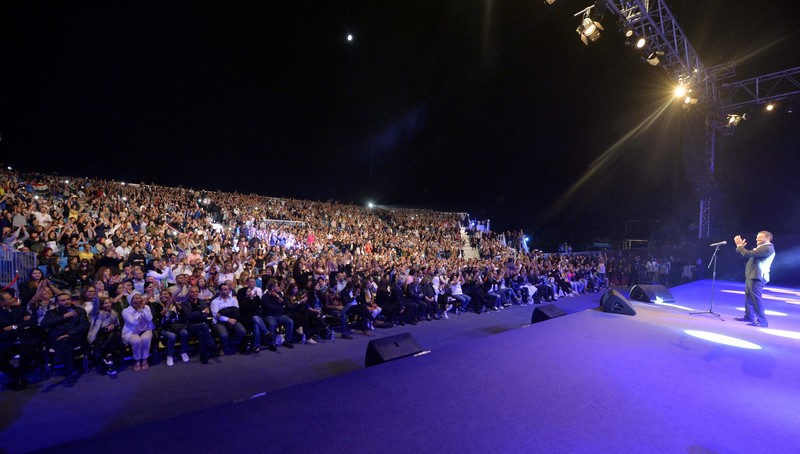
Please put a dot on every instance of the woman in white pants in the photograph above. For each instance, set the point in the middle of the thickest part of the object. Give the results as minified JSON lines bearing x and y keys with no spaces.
{"x":138,"y":331}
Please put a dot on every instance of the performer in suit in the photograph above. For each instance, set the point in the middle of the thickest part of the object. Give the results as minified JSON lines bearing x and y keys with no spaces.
{"x":756,"y":274}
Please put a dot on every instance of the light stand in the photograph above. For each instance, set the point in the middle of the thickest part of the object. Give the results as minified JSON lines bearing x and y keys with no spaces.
{"x":713,"y":280}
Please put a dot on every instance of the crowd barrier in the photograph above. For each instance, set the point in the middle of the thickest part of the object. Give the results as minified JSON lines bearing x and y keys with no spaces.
{"x":15,"y":267}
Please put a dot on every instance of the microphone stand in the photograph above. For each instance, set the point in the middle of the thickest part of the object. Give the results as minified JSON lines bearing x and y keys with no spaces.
{"x":713,"y":281}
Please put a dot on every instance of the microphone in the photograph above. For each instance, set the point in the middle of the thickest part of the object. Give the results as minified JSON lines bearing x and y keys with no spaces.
{"x":721,"y":243}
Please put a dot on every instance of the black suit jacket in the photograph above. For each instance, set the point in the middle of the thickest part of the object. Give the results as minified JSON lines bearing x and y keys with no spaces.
{"x":759,"y":261}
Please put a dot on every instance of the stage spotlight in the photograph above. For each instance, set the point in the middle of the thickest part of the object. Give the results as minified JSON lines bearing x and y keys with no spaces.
{"x":680,"y":91}
{"x":770,"y":107}
{"x":633,"y":41}
{"x":734,"y":120}
{"x":550,"y":2}
{"x":589,"y":29}
{"x":652,"y":58}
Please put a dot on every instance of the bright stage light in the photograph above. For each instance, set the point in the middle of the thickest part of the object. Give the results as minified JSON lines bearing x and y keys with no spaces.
{"x":722,"y":339}
{"x":349,"y":37}
{"x":680,"y":91}
{"x":589,"y":29}
{"x":770,"y":107}
{"x":632,"y":40}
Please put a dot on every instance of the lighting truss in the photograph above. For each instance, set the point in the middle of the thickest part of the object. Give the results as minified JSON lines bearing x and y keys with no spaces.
{"x":761,"y":89}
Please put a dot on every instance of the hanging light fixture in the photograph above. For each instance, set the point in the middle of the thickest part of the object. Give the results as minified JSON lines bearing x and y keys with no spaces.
{"x":589,"y":30}
{"x":734,"y":120}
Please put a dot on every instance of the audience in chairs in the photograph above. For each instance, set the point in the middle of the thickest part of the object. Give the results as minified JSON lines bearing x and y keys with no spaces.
{"x":173,"y":257}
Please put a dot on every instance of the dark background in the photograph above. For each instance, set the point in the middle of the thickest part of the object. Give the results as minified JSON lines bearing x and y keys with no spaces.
{"x":494,"y":108}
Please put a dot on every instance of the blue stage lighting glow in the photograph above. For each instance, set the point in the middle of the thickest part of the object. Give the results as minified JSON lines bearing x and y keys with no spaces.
{"x":768,"y":312}
{"x":781,"y":333}
{"x":721,"y":339}
{"x":735,"y":292}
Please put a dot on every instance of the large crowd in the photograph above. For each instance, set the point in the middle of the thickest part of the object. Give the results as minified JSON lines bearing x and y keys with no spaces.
{"x":130,"y":270}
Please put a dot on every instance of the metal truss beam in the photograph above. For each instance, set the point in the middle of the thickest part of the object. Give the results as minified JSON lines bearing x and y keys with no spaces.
{"x":704,"y":222}
{"x":760,"y":90}
{"x":653,"y":20}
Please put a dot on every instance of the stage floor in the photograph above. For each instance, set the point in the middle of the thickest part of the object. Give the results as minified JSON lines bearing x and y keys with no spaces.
{"x":586,"y":382}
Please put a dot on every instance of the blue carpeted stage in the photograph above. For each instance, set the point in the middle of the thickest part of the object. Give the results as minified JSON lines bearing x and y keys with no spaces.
{"x":586,"y":382}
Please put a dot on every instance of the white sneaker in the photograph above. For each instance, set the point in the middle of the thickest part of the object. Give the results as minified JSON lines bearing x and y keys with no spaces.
{"x":184,"y":357}
{"x":444,"y":315}
{"x":311,"y":341}
{"x":169,"y":361}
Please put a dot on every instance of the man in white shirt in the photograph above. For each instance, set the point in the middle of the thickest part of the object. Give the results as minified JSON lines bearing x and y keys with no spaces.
{"x":225,"y":310}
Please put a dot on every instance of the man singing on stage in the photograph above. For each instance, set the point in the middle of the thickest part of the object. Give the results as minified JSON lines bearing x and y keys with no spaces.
{"x":756,"y":274}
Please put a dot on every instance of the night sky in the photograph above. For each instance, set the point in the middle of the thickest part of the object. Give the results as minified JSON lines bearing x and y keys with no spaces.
{"x":494,"y":108}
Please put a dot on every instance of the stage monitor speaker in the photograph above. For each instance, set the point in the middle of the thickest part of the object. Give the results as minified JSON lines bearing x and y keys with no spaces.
{"x":614,"y":302}
{"x":390,"y":348}
{"x":546,"y":312}
{"x":651,"y":294}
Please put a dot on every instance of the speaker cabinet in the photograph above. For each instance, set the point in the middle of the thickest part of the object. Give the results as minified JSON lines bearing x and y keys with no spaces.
{"x":390,"y":348}
{"x":546,"y":312}
{"x":651,"y":293}
{"x":613,"y":302}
